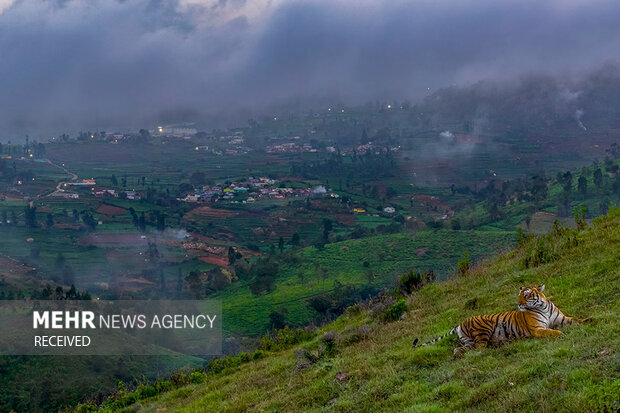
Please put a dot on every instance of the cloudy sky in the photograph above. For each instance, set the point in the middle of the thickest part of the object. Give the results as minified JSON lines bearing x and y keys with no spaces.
{"x":118,"y":64}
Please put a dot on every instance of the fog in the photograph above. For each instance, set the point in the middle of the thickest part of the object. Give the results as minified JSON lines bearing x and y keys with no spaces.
{"x":69,"y":65}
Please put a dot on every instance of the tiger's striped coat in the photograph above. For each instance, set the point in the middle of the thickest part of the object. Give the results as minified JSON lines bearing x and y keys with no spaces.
{"x":537,"y":317}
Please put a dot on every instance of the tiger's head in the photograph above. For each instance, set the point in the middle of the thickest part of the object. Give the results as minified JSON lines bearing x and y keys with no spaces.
{"x":531,"y":297}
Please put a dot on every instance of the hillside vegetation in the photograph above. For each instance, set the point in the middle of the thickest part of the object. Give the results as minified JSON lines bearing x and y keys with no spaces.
{"x":361,"y":362}
{"x":368,"y":264}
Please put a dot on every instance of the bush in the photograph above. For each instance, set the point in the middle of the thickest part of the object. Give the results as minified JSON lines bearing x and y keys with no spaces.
{"x":464,"y":265}
{"x":546,"y":248}
{"x":394,"y":312}
{"x":409,"y":282}
{"x":285,"y":338}
{"x":359,"y":334}
{"x":86,"y":408}
{"x":197,"y":377}
{"x":329,"y":339}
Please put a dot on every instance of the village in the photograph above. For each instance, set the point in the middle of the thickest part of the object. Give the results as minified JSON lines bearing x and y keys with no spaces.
{"x":252,"y":190}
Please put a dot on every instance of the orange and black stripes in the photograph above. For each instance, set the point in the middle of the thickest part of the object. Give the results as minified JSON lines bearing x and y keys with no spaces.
{"x":537,"y":316}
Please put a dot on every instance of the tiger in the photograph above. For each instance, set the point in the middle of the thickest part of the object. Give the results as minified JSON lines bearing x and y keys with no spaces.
{"x":537,"y":317}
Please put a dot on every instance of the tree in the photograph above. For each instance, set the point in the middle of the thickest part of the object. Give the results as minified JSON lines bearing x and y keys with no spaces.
{"x":281,"y":244}
{"x":566,"y":180}
{"x":114,"y":180}
{"x":410,"y":281}
{"x":161,"y":221}
{"x":30,"y":216}
{"x":582,"y":185}
{"x":144,"y":135}
{"x":185,"y":188}
{"x":195,"y":283}
{"x":295,"y":239}
{"x":233,"y":255}
{"x":539,"y":189}
{"x":580,"y":213}
{"x":277,"y":319}
{"x":152,"y":252}
{"x":321,"y":272}
{"x":464,"y":265}
{"x":89,"y":220}
{"x":598,"y":178}
{"x":327,"y":226}
{"x":49,"y":221}
{"x":264,"y":273}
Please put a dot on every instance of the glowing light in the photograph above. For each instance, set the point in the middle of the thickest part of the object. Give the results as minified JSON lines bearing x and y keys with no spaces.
{"x":275,"y":118}
{"x":160,"y":129}
{"x":197,"y":148}
{"x":329,"y":109}
{"x":389,"y":106}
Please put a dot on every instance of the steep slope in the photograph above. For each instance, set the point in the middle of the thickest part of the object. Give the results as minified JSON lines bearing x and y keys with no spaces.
{"x":375,"y":369}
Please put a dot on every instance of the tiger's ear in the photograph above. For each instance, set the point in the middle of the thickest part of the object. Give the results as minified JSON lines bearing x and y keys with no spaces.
{"x":521,"y":288}
{"x":541,"y":288}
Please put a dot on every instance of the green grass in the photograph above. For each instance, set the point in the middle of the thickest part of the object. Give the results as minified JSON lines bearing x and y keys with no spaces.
{"x":387,"y":256}
{"x":578,"y":371}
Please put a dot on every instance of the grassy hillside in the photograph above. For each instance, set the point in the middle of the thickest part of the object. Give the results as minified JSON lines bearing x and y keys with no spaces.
{"x":374,"y":368}
{"x":373,"y":261}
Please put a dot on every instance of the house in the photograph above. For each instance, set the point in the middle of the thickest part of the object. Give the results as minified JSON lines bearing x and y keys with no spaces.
{"x":132,"y":195}
{"x":359,"y":210}
{"x":191,"y":198}
{"x":83,"y":182}
{"x":389,"y":210}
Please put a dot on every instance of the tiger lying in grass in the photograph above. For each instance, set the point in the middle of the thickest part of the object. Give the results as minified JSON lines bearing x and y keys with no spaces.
{"x":537,"y":317}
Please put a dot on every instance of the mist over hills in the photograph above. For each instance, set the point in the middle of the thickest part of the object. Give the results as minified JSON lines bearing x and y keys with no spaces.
{"x":70,"y":66}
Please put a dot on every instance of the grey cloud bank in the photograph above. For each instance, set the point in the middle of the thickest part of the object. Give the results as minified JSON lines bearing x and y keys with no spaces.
{"x":74,"y":64}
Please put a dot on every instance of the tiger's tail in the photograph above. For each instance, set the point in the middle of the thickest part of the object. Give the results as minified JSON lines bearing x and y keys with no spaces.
{"x":453,"y":331}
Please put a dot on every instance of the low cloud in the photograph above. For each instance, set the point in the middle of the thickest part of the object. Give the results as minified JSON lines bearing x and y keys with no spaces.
{"x":76,"y":64}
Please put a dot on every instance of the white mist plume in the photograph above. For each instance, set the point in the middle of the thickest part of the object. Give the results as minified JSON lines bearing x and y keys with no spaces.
{"x":178,"y":234}
{"x":446,"y":135}
{"x":578,"y":114}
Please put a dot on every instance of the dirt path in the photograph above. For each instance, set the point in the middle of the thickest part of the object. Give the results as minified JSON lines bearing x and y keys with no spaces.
{"x":74,"y":176}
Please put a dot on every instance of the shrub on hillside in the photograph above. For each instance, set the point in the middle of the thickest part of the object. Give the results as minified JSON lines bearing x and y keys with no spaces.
{"x":395,"y":311}
{"x":284,"y":338}
{"x":329,"y":339}
{"x":546,"y":248}
{"x":414,"y":280}
{"x":464,"y":265}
